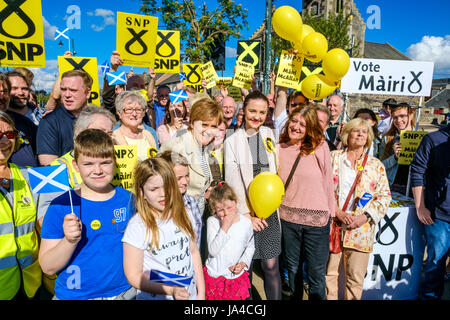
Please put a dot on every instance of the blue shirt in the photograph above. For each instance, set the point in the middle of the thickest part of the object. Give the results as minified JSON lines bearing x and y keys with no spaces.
{"x":96,"y":267}
{"x":55,"y":132}
{"x":431,"y":168}
{"x":160,"y":111}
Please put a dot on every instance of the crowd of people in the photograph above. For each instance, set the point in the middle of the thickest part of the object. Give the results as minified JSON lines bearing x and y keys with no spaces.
{"x":187,"y":230}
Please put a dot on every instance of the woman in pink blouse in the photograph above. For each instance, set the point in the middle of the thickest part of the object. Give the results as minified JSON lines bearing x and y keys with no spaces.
{"x":174,"y":120}
{"x":308,"y":202}
{"x":367,"y":205}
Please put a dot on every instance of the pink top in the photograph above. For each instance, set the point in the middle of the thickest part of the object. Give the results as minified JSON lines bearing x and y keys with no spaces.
{"x":309,"y":198}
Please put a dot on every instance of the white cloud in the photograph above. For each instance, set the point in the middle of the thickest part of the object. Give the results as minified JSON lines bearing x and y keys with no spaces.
{"x":230,"y":52}
{"x":49,"y":30}
{"x":431,"y":48}
{"x":108,"y":19}
{"x":44,"y":78}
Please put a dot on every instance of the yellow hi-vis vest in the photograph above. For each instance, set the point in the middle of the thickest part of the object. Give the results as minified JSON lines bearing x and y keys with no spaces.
{"x":19,"y":245}
{"x":74,"y":176}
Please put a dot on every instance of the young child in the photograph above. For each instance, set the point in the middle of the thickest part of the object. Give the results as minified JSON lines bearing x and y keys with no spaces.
{"x":230,"y":247}
{"x":160,"y":238}
{"x":84,"y":246}
{"x":180,"y":167}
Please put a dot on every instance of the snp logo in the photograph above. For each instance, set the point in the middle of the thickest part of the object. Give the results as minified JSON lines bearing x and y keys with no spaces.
{"x":120,"y":214}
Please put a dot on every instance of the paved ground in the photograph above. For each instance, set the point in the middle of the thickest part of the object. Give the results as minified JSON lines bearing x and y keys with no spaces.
{"x":258,"y":288}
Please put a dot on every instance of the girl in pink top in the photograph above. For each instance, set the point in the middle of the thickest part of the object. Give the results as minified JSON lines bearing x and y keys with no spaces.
{"x":308,"y":202}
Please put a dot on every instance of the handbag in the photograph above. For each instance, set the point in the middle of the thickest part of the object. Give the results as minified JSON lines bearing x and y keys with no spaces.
{"x":335,"y":228}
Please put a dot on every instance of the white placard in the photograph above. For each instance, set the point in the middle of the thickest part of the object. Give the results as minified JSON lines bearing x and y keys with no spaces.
{"x":395,"y":264}
{"x":388,"y":77}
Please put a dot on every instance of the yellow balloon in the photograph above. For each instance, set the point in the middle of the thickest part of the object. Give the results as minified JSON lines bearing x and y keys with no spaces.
{"x":266,"y":193}
{"x":287,"y":23}
{"x":335,"y":64}
{"x":317,"y":87}
{"x":307,"y":29}
{"x":314,"y":46}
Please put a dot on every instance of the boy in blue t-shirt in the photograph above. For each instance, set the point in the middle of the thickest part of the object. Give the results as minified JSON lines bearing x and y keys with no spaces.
{"x":84,"y":247}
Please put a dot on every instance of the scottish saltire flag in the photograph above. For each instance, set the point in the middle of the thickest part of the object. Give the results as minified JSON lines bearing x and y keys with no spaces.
{"x":170,"y":279}
{"x":49,"y":179}
{"x":116,"y":78}
{"x":276,"y":60}
{"x":178,"y":96}
{"x":105,"y":67}
{"x":61,"y":34}
{"x":183,"y":76}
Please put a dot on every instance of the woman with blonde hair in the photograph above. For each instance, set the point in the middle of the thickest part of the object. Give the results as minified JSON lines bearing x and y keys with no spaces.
{"x":402,"y":119}
{"x":362,"y":198}
{"x":159,"y":241}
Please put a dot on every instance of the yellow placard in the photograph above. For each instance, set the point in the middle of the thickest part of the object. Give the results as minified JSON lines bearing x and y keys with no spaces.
{"x":306,"y":71}
{"x":21,"y":34}
{"x":126,"y":161}
{"x":224,"y":81}
{"x":289,"y":70}
{"x":136,"y":39}
{"x":243,"y":75}
{"x":209,"y":73}
{"x":409,"y":141}
{"x":88,"y":65}
{"x":194,"y":76}
{"x":235,"y":93}
{"x":167,"y":57}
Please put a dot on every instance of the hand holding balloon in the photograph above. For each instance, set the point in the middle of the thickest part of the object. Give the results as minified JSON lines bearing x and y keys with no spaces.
{"x":266,"y":193}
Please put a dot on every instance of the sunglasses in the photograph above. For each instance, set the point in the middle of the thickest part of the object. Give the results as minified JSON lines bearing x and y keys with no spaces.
{"x":9,"y":134}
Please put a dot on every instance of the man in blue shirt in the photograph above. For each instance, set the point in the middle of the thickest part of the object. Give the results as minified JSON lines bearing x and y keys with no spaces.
{"x":430,"y":181}
{"x":55,"y":131}
{"x":162,"y":96}
{"x":81,"y":235}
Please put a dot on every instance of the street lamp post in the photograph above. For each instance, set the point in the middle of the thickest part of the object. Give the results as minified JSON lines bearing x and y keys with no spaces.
{"x":268,"y":46}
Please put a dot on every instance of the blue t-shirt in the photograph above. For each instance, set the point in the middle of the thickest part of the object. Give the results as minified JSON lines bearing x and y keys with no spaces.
{"x":96,"y":267}
{"x":160,"y":112}
{"x":55,"y":133}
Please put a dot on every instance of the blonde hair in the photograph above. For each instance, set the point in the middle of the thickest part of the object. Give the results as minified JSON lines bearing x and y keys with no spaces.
{"x":205,"y":110}
{"x":354,"y":124}
{"x":220,"y":193}
{"x":174,"y":208}
{"x":93,"y":143}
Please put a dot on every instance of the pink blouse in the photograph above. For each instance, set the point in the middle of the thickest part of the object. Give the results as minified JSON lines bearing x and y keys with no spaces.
{"x":309,"y":198}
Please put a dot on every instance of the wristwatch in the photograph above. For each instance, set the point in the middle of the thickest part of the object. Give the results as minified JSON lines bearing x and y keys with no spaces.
{"x":369,"y":218}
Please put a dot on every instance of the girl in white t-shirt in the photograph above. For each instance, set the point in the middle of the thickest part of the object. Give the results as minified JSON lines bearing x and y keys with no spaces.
{"x":159,"y":240}
{"x":230,"y":247}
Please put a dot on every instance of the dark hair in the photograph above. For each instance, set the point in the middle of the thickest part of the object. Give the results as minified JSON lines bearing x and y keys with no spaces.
{"x":18,"y":74}
{"x":295,"y":94}
{"x":168,"y":115}
{"x":255,"y":95}
{"x":389,"y":102}
{"x":372,"y":115}
{"x":162,"y":87}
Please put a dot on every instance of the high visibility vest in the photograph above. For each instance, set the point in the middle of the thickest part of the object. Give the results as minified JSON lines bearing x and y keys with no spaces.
{"x":74,"y":176}
{"x":19,"y":245}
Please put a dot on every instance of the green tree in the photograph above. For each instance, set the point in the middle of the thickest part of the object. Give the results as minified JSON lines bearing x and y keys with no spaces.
{"x":335,"y":29}
{"x":199,"y":27}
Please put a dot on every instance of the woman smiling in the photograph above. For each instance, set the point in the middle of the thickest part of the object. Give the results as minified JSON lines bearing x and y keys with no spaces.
{"x":308,"y":203}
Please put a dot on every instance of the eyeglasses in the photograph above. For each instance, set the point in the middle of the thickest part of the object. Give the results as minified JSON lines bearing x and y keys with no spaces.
{"x":9,"y":134}
{"x":295,"y":104}
{"x":130,"y":111}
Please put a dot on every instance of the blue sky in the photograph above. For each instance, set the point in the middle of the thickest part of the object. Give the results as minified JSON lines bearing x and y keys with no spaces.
{"x":419,"y":29}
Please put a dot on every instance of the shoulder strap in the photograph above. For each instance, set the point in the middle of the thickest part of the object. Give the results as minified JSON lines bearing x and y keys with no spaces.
{"x":294,"y":166}
{"x":358,"y":176}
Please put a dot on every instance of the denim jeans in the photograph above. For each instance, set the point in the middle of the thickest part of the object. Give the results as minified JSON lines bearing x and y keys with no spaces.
{"x":437,"y":236}
{"x":311,"y":243}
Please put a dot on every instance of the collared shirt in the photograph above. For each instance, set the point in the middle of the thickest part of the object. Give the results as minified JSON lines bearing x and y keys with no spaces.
{"x":55,"y":133}
{"x":332,"y":128}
